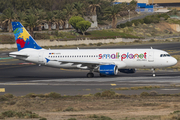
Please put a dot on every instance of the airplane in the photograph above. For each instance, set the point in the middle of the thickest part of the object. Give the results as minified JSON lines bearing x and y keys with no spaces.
{"x":107,"y":62}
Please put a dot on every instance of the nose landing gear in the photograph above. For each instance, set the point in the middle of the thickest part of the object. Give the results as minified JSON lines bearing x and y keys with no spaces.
{"x":153,"y":72}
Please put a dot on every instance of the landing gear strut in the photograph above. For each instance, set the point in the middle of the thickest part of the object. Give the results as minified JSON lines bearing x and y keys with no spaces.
{"x":153,"y":72}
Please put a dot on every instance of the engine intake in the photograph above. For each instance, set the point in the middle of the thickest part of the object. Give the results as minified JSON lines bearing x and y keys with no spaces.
{"x":108,"y":69}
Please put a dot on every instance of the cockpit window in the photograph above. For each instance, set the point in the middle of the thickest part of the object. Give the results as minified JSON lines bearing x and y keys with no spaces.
{"x":164,"y":55}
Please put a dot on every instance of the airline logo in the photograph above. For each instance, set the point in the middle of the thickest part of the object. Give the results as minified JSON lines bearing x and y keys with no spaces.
{"x":123,"y":56}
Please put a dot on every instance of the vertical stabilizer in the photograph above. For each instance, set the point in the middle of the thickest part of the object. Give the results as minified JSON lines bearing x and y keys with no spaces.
{"x":23,"y":38}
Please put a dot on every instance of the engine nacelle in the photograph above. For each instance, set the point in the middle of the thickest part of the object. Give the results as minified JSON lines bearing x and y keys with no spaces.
{"x":127,"y":70}
{"x":108,"y":69}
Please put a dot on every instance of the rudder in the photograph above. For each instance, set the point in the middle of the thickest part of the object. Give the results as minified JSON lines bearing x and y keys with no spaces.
{"x":23,"y":38}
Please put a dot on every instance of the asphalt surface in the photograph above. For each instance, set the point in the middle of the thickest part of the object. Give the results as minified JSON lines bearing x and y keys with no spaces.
{"x":20,"y":78}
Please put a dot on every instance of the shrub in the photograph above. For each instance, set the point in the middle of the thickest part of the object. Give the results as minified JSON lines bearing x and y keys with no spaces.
{"x":144,"y":94}
{"x":153,"y":93}
{"x":99,"y":43}
{"x":33,"y":115}
{"x":8,"y":113}
{"x":94,"y":116}
{"x":8,"y":95}
{"x":72,"y":119}
{"x":26,"y":114}
{"x":147,"y":20}
{"x":90,"y":44}
{"x":104,"y":118}
{"x":12,"y":103}
{"x":155,"y":20}
{"x":56,"y":33}
{"x":107,"y":93}
{"x":141,"y":21}
{"x":165,"y":16}
{"x":121,"y":26}
{"x":152,"y":40}
{"x":69,"y":109}
{"x":136,"y":41}
{"x":97,"y":94}
{"x":176,"y":111}
{"x":136,"y":22}
{"x":31,"y":95}
{"x":54,"y":95}
{"x":128,"y":24}
{"x":100,"y":117}
{"x":41,"y":36}
{"x":43,"y":119}
{"x":3,"y":98}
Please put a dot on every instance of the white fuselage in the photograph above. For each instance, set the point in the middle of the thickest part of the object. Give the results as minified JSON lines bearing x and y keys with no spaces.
{"x":123,"y":58}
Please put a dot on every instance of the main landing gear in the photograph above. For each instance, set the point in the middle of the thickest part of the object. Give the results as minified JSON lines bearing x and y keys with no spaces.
{"x":153,"y":72}
{"x":101,"y":75}
{"x":90,"y":75}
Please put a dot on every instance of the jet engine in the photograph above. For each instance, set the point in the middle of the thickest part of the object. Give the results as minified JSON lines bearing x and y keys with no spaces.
{"x":108,"y":69}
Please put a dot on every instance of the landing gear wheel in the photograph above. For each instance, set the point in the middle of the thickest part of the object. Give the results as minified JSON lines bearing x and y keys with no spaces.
{"x":90,"y":75}
{"x":153,"y":72}
{"x":101,"y":75}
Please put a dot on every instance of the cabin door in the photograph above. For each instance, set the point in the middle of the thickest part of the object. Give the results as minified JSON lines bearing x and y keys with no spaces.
{"x":40,"y":59}
{"x":151,"y":56}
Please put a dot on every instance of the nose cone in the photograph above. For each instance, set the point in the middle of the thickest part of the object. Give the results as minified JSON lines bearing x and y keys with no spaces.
{"x":173,"y":61}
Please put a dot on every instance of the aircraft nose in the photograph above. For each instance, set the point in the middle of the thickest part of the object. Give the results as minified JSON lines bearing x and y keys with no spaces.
{"x":173,"y":61}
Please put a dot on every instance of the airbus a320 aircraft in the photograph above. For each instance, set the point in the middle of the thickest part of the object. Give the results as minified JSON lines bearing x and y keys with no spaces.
{"x":104,"y":61}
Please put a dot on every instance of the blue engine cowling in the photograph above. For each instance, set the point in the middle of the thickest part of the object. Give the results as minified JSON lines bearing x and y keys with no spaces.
{"x":108,"y":69}
{"x":127,"y":70}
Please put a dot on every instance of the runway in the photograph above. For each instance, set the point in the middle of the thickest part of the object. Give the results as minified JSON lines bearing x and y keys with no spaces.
{"x":20,"y":78}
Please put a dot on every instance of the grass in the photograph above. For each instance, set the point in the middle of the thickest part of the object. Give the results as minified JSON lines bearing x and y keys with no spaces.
{"x":109,"y":34}
{"x":106,"y":105}
{"x":24,"y":114}
{"x":138,"y":87}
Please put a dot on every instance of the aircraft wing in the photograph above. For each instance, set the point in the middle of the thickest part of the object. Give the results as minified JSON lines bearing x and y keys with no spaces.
{"x":84,"y":63}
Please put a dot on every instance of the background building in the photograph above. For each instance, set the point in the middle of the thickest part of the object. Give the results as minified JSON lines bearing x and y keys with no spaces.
{"x":151,"y":1}
{"x":150,"y":5}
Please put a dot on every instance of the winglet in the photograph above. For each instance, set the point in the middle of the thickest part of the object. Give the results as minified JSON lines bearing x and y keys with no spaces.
{"x":23,"y":38}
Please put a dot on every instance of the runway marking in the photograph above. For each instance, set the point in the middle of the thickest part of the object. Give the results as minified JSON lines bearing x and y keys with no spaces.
{"x":6,"y":58}
{"x":113,"y":84}
{"x":2,"y":89}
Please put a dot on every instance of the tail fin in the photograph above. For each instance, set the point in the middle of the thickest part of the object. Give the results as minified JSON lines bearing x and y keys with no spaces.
{"x":23,"y":38}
